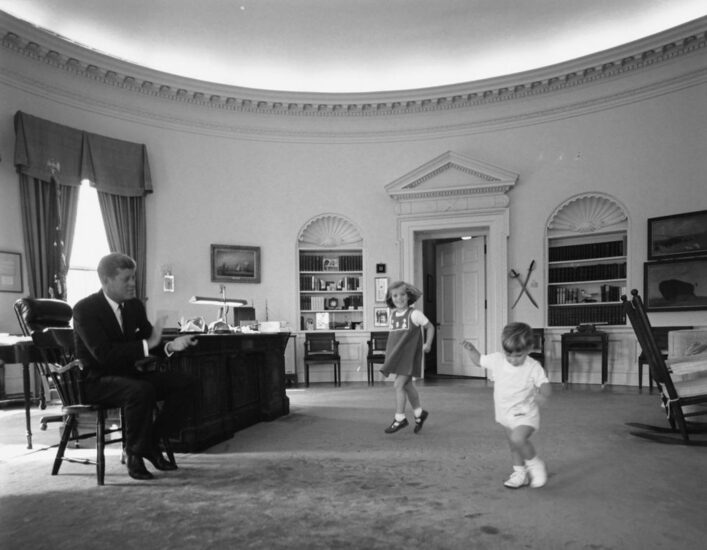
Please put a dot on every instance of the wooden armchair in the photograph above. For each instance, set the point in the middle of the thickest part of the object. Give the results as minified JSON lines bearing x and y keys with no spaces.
{"x":683,"y":393}
{"x":59,"y":366}
{"x":376,"y":352}
{"x":322,"y":347}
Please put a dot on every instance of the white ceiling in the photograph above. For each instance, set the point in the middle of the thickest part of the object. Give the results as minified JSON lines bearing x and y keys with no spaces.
{"x":351,"y":45}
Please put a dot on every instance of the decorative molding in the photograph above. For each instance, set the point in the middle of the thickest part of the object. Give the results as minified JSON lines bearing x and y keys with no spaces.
{"x":451,"y":176}
{"x":329,"y":231}
{"x":23,"y":39}
{"x":588,"y":213}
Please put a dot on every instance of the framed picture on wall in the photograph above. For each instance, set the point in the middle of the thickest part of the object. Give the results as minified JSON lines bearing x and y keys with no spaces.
{"x":675,"y":285}
{"x":380,"y":316}
{"x":10,"y":272}
{"x":381,"y":285}
{"x":676,"y":236}
{"x":235,"y":264}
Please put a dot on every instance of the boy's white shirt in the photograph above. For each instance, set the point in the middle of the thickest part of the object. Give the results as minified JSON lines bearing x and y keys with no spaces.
{"x":514,"y":387}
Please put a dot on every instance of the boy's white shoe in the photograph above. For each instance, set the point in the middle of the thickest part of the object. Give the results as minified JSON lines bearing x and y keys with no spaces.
{"x":518,"y":479}
{"x":537,"y":472}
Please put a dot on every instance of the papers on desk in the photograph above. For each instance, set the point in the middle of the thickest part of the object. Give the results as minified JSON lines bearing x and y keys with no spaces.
{"x":11,"y":340}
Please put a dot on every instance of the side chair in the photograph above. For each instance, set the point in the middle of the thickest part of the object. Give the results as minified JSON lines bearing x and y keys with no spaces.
{"x":376,"y":352}
{"x":322,"y":347}
{"x":684,"y":391}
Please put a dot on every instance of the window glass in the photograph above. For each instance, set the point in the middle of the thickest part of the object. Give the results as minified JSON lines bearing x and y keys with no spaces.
{"x":90,"y":245}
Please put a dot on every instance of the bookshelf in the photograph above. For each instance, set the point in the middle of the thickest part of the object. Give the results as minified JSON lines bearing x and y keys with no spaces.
{"x":330,"y":289}
{"x":586,"y":277}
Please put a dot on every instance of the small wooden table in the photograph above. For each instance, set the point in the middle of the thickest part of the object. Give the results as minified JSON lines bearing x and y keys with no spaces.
{"x":585,"y":341}
{"x":20,"y":349}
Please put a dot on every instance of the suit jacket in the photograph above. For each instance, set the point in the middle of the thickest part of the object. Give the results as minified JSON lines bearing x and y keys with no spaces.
{"x":101,"y":344}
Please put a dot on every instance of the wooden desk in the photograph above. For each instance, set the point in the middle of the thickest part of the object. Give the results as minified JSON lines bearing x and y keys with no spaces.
{"x":239,"y":381}
{"x":20,"y":349}
{"x":585,"y":341}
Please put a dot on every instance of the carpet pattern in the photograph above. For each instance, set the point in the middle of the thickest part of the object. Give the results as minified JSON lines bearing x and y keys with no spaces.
{"x":328,"y":477}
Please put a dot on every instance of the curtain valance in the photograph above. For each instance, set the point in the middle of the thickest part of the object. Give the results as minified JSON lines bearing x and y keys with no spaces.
{"x":111,"y":165}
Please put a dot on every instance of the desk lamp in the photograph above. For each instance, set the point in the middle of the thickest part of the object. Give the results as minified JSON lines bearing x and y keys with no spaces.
{"x":221,"y":322}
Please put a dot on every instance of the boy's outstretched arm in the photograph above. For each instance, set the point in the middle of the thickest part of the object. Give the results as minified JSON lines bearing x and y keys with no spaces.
{"x":473,"y":352}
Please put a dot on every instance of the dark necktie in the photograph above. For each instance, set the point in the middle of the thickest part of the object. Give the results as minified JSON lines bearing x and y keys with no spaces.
{"x":121,"y":312}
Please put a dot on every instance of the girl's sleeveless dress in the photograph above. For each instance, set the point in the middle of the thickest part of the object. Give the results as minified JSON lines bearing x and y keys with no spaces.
{"x":403,"y":353}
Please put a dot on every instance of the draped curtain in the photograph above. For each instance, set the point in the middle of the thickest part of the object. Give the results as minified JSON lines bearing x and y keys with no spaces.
{"x":49,"y":216}
{"x":52,"y":160}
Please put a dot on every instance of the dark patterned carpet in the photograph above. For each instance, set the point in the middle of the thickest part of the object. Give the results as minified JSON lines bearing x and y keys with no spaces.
{"x":328,"y":477}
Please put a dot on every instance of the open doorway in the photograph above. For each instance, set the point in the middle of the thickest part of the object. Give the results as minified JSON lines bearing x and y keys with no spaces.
{"x":454,"y":299}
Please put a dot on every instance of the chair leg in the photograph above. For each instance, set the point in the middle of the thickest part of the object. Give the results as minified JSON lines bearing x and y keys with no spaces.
{"x":306,"y":375}
{"x":100,"y":445}
{"x":69,"y":426}
{"x":337,"y":377}
{"x":680,"y":421}
{"x":123,"y":454}
{"x":640,"y":375}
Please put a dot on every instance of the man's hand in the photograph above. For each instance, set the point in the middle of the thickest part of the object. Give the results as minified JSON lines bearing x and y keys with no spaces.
{"x":182,"y":342}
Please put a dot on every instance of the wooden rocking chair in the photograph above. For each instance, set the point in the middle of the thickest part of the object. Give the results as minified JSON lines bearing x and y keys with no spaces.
{"x":683,"y":387}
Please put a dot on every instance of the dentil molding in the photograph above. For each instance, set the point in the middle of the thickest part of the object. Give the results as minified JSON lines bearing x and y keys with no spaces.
{"x":26,"y":40}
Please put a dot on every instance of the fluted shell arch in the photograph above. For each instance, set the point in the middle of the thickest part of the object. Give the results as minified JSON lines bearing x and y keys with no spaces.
{"x":587,"y":213}
{"x":329,"y":231}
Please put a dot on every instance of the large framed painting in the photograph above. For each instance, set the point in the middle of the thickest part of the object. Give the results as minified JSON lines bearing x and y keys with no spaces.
{"x":675,"y":285}
{"x":235,"y":264}
{"x":677,"y":236}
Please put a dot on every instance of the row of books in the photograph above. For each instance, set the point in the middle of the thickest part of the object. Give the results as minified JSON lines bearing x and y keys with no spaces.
{"x":564,"y":295}
{"x":316,"y":303}
{"x":312,"y":282}
{"x":317,"y":262}
{"x":586,"y":251}
{"x":593,"y":272}
{"x":612,"y":314}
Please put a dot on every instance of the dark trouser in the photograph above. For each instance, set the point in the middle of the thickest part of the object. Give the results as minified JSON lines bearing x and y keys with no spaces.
{"x":137,"y":395}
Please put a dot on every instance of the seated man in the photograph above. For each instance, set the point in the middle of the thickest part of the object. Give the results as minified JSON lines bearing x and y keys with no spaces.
{"x":113,"y":339}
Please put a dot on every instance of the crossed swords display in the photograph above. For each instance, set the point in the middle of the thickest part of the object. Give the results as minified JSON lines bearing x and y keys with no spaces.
{"x":524,"y":285}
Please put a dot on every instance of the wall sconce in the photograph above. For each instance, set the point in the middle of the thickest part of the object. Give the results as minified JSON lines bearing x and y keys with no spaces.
{"x":167,"y":278}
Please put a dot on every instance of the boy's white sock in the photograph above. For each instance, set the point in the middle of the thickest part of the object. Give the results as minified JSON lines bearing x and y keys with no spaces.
{"x":533,"y":461}
{"x":417,"y":412}
{"x":399,"y":417}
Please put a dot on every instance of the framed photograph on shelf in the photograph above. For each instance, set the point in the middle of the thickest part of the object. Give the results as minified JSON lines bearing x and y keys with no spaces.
{"x":381,"y":288}
{"x":235,"y":264}
{"x":381,"y":316}
{"x":10,"y":272}
{"x":675,"y":285}
{"x":677,"y":236}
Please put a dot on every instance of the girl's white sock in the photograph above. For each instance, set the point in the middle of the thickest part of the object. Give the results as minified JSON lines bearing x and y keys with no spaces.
{"x":399,"y":417}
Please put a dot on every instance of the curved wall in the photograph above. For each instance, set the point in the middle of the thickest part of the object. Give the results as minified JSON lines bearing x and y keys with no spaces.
{"x":249,"y":167}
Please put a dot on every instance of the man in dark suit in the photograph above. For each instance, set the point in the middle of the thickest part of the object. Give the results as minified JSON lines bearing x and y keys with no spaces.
{"x":115,"y":340}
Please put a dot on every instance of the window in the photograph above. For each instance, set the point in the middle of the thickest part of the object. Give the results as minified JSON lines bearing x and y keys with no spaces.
{"x":90,"y":245}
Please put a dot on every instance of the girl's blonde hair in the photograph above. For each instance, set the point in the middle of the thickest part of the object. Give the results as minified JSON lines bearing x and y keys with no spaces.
{"x":413,"y":293}
{"x":517,"y":338}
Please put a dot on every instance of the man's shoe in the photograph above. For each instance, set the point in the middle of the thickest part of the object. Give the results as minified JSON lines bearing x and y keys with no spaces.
{"x":420,"y":420}
{"x":136,"y":468}
{"x":159,"y":462}
{"x":396,"y":425}
{"x":518,"y":479}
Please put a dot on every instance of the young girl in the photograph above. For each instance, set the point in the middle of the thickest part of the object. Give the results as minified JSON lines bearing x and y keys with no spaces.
{"x":520,"y":386}
{"x":403,"y":354}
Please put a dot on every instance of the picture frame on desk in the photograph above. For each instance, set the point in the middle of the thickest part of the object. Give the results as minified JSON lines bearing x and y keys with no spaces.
{"x":677,"y":236}
{"x":235,"y":263}
{"x":11,"y":272}
{"x":675,"y":285}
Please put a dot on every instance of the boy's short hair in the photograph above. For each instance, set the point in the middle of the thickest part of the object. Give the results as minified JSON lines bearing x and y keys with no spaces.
{"x":109,"y":265}
{"x":413,"y":293}
{"x":517,"y":337}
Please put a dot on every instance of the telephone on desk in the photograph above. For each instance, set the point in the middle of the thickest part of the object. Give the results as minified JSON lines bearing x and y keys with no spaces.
{"x":587,"y":328}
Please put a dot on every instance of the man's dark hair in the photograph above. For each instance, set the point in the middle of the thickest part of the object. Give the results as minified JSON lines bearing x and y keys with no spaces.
{"x":109,"y":265}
